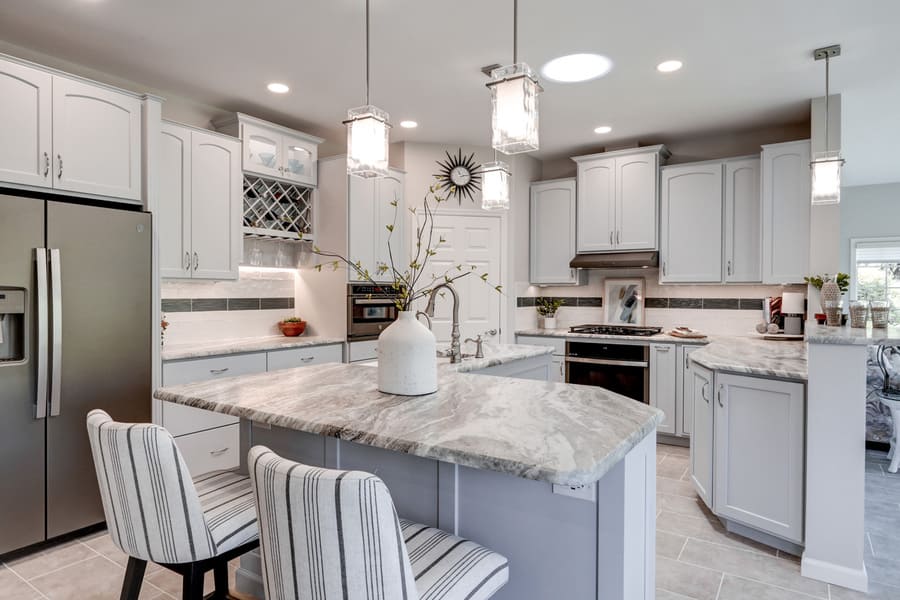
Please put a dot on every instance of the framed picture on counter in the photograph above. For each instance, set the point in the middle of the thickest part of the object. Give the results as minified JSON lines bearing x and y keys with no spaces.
{"x":624,"y":301}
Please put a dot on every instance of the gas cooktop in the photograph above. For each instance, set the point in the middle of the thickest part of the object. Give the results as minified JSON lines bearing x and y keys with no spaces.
{"x":615,"y":330}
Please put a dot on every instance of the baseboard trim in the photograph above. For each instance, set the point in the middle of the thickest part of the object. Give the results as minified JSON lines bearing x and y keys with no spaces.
{"x":854,"y":579}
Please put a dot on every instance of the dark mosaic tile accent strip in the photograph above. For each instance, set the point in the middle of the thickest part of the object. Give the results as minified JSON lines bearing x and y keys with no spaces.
{"x":176,"y":305}
{"x":722,"y":303}
{"x":243,"y":304}
{"x":524,"y":301}
{"x":172,"y":305}
{"x":593,"y":302}
{"x":208,"y":304}
{"x":685,"y":303}
{"x":274,"y":303}
{"x":588,"y":301}
{"x":751,"y":303}
{"x":656,"y":303}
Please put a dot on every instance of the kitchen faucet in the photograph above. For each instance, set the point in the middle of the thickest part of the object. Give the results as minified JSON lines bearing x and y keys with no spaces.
{"x":455,"y":355}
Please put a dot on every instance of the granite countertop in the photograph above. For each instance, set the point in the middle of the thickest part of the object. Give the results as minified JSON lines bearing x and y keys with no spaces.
{"x":848,"y":336}
{"x":554,"y":432}
{"x":237,"y":346}
{"x":755,"y":356}
{"x":565,"y":333}
{"x":496,"y":355}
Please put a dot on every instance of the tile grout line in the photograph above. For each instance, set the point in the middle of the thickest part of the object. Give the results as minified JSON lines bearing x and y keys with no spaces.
{"x":766,"y":583}
{"x":871,"y":545}
{"x":25,"y":581}
{"x":683,"y":546}
{"x":77,"y":562}
{"x":721,"y":581}
{"x":144,"y":582}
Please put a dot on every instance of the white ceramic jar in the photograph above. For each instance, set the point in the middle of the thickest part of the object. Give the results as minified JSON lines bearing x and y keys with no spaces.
{"x":407,"y":358}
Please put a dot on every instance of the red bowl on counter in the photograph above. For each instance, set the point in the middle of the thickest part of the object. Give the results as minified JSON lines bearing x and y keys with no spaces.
{"x":292,"y":329}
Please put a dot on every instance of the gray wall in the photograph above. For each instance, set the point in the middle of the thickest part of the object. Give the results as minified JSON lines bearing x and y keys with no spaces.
{"x":868,"y":211}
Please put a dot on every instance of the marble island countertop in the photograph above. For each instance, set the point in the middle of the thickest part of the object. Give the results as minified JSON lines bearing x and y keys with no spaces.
{"x":565,"y":333}
{"x":239,"y":345}
{"x":754,"y":356}
{"x":848,"y":336}
{"x":554,"y":432}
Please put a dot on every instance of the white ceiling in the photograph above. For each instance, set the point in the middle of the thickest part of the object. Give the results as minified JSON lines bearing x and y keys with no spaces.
{"x":747,"y":64}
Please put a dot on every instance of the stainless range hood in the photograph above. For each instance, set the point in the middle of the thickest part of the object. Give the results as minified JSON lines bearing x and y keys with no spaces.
{"x":616,"y":260}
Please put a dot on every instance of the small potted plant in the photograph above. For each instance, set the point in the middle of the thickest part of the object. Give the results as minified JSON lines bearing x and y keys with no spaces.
{"x":547,"y":308}
{"x":292,"y":327}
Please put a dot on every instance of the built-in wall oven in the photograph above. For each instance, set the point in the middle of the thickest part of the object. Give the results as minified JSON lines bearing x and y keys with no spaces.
{"x":620,"y":368}
{"x":370,"y":309}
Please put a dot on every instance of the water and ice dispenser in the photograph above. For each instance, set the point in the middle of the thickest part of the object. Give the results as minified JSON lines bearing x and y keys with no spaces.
{"x":12,"y":325}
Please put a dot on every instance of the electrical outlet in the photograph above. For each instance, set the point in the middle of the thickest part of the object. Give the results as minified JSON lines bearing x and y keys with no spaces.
{"x":581,"y":492}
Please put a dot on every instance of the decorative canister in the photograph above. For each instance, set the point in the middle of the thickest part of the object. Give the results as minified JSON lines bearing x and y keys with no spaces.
{"x":407,"y":361}
{"x":859,"y":311}
{"x":881,"y":312}
{"x":831,"y":301}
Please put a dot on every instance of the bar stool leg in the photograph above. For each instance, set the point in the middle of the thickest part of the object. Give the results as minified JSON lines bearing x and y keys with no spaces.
{"x":192,"y":583}
{"x":894,"y":455}
{"x":134,"y":576}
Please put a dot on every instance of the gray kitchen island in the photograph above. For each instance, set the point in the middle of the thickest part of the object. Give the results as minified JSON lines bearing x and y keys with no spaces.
{"x":559,"y":478}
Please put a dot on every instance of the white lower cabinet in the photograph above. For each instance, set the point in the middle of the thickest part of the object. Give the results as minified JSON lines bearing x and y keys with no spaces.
{"x":702,"y":432}
{"x":683,"y":402}
{"x":662,"y":384}
{"x":759,"y":454}
{"x":557,"y":361}
{"x":211,"y":450}
{"x":301,"y":357}
{"x":558,"y":369}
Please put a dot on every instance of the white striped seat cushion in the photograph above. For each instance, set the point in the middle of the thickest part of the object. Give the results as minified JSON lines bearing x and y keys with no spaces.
{"x":226,"y":498}
{"x":446,"y":566}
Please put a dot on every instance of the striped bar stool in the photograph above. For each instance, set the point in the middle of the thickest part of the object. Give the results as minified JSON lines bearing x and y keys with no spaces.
{"x":155,"y":512}
{"x":335,"y":534}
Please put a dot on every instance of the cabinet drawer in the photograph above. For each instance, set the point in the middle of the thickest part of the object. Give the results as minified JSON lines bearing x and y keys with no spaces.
{"x":300,"y":357}
{"x":213,"y":450}
{"x":181,"y":420}
{"x":359,"y":351}
{"x":558,"y":344}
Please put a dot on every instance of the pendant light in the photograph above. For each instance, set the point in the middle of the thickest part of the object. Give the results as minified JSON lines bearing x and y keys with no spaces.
{"x":826,"y":166}
{"x":368,"y":131}
{"x":514,"y":97}
{"x":495,"y":185}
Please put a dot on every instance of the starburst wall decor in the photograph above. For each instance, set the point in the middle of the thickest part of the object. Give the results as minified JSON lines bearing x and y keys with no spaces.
{"x":459,"y":176}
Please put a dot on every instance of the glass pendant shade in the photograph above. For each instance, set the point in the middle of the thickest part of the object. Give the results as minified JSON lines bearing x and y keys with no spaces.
{"x":495,"y":186}
{"x":826,"y":178}
{"x":514,"y":97}
{"x":368,"y":134}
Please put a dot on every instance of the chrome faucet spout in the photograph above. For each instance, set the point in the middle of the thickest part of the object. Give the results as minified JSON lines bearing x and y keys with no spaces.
{"x":455,"y":351}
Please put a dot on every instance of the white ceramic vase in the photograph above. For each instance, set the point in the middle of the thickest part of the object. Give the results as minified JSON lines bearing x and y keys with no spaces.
{"x":550,"y":322}
{"x":407,"y":358}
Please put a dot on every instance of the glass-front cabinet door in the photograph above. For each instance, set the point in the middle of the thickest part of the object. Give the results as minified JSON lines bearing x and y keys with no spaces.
{"x":299,"y":160}
{"x":262,"y":151}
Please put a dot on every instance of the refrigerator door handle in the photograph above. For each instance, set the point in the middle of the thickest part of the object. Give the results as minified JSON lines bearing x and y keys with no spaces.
{"x":56,"y":324}
{"x":40,"y":401}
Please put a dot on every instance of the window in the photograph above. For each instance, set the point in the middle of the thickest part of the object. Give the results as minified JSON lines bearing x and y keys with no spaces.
{"x":875,"y":266}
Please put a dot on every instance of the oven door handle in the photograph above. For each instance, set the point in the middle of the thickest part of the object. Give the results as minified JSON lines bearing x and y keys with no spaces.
{"x":603,"y":361}
{"x":385,"y":302}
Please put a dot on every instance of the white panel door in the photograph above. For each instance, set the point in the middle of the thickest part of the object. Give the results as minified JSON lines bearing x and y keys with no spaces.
{"x":691,"y":241}
{"x":662,"y":384}
{"x":636,"y":201}
{"x":743,"y":222}
{"x":702,"y":432}
{"x":684,"y":403}
{"x":759,"y":457}
{"x":262,"y":151}
{"x":299,"y":160}
{"x":388,"y":190}
{"x":552,"y":241}
{"x":786,"y":212}
{"x":216,"y":238}
{"x":596,"y":205}
{"x":96,"y":140}
{"x":470,"y":241}
{"x":361,"y":214}
{"x":173,"y":214}
{"x":25,"y":125}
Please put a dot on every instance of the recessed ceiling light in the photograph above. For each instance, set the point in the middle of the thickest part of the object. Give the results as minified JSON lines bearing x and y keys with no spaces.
{"x":278,"y":88}
{"x":577,"y":67}
{"x":408,"y":124}
{"x":603,"y":129}
{"x":669,"y":66}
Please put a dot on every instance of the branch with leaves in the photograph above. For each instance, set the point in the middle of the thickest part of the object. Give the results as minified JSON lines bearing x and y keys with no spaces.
{"x":405,"y":284}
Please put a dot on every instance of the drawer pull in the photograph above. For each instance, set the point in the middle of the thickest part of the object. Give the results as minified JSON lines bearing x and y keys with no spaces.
{"x":218,"y":371}
{"x":307,"y":358}
{"x":220,"y":451}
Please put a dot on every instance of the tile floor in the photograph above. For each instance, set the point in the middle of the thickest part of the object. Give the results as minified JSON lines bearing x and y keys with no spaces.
{"x":696,"y":558}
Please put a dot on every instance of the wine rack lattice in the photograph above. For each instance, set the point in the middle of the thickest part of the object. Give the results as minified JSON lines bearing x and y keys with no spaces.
{"x":277,"y":209}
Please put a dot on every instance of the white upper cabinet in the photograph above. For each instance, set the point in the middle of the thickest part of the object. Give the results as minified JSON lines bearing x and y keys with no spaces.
{"x":370,"y":212}
{"x":743,"y":221}
{"x":596,"y":205}
{"x":68,"y":134}
{"x":25,"y":117}
{"x":636,"y":201}
{"x":786,"y":212}
{"x":199,"y":214}
{"x":96,"y":140}
{"x":273,"y":151}
{"x":691,"y":231}
{"x":617,"y":200}
{"x":552,"y":239}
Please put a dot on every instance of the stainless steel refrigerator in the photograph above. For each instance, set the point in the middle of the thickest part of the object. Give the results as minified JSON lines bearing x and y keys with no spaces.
{"x":75,"y":334}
